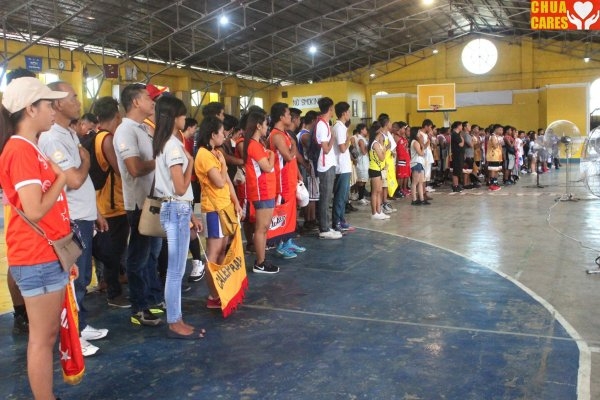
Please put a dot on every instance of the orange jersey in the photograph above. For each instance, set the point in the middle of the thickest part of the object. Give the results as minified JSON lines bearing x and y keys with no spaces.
{"x":286,"y":174}
{"x":260,"y":185}
{"x":22,"y":164}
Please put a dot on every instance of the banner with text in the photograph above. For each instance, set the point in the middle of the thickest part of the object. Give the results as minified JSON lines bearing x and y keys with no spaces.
{"x":565,"y":15}
{"x":306,"y":102}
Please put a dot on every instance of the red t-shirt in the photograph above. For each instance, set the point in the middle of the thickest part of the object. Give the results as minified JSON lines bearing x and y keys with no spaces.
{"x":260,"y":185}
{"x":402,"y":149}
{"x":22,"y":164}
{"x":286,"y":174}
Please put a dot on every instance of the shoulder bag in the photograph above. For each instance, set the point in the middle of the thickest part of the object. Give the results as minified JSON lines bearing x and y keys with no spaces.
{"x":68,"y":248}
{"x":149,"y":224}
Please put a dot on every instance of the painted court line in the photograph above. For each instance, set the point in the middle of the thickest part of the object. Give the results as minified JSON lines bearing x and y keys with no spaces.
{"x":585,"y":357}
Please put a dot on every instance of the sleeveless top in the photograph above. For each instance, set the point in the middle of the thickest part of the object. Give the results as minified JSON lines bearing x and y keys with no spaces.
{"x":374,"y":162}
{"x":415,"y":158}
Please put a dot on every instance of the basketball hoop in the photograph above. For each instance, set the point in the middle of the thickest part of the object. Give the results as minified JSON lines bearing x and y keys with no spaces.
{"x":435,"y":107}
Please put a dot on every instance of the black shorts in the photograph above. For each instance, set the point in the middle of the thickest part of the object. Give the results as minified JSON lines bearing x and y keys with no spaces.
{"x":374,"y":173}
{"x":457,"y":167}
{"x":468,"y":166}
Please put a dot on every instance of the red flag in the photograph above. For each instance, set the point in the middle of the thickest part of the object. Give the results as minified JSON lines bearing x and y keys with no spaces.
{"x":284,"y":219}
{"x":71,"y":357}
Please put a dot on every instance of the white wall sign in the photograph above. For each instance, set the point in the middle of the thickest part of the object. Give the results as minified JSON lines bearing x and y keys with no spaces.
{"x":306,"y":101}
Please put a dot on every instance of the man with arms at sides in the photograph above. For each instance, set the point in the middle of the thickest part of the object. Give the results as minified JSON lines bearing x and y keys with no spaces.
{"x":110,"y":246}
{"x":133,"y":146}
{"x":326,"y":165}
{"x":62,"y":145}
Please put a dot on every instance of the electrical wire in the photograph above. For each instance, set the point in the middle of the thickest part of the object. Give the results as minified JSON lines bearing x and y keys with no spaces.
{"x":581,"y":244}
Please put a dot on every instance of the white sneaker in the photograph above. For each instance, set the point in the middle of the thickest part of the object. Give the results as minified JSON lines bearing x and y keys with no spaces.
{"x":197,"y":271}
{"x":91,"y":333}
{"x":87,"y":349}
{"x":429,"y":189}
{"x":364,"y":202}
{"x":378,"y":216}
{"x":353,"y":196}
{"x":385,"y":216}
{"x":330,"y":234}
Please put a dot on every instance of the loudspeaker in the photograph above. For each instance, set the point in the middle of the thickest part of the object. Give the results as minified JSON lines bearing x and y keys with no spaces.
{"x":284,"y":95}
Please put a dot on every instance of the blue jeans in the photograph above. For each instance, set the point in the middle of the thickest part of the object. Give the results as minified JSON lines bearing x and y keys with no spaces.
{"x":142,"y":261}
{"x":326,"y":180}
{"x":175,"y":219}
{"x":341,"y":187}
{"x":85,"y":230}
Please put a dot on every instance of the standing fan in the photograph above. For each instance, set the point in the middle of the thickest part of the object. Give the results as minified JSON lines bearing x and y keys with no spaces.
{"x":561,"y":131}
{"x":590,"y":162}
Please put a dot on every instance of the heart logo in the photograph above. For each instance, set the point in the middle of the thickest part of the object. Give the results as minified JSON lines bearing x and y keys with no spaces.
{"x":583,"y":9}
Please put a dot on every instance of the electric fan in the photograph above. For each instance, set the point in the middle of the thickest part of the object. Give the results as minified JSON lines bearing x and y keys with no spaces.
{"x":561,"y":131}
{"x":590,"y":162}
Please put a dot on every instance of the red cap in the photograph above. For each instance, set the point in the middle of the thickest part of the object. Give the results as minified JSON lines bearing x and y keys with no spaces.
{"x":154,"y":92}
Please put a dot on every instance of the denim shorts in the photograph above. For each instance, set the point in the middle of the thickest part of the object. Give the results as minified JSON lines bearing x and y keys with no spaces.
{"x":262,"y":204}
{"x":417,"y":168}
{"x":35,"y":280}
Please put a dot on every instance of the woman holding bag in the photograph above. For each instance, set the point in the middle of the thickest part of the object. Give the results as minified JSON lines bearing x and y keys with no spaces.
{"x":217,"y":194}
{"x":173,"y":185}
{"x":35,"y":185}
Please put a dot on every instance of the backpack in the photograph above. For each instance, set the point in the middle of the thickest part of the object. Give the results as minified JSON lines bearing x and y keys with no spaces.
{"x":97,"y":174}
{"x":314,"y":148}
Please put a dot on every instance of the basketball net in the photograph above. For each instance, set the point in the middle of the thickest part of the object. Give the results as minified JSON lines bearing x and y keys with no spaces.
{"x":436,"y":108}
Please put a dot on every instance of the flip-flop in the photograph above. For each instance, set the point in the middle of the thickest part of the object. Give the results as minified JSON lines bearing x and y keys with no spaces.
{"x":192,"y":336}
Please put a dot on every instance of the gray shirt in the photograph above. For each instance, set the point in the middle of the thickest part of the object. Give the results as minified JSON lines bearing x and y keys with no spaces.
{"x":172,"y":154}
{"x":133,"y":140}
{"x":469,"y":151}
{"x":61,"y":146}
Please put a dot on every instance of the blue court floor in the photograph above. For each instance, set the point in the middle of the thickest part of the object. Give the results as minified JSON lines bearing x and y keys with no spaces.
{"x":371,"y":316}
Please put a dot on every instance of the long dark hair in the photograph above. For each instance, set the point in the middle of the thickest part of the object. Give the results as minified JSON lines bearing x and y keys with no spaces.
{"x":9,"y":122}
{"x":414,"y":132}
{"x":166,"y":110}
{"x":208,"y":126}
{"x":253,"y":120}
{"x":373,"y":130}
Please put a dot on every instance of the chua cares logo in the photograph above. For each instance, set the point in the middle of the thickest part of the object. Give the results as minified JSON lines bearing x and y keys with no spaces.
{"x":565,"y":15}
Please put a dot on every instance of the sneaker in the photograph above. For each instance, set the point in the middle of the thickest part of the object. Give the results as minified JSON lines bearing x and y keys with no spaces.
{"x":416,"y":203}
{"x":159,"y":308}
{"x":284,"y":252}
{"x":87,"y":349}
{"x":265,"y":268}
{"x":91,"y":333}
{"x":20,"y":325}
{"x":385,"y":216}
{"x":429,"y":189}
{"x":494,"y":187}
{"x":425,"y":203}
{"x":378,"y":216}
{"x":213,"y":304}
{"x":294,"y":247}
{"x":468,"y":187}
{"x":119,"y":302}
{"x":330,"y":234}
{"x":344,"y":227}
{"x":145,"y":318}
{"x":197,"y":271}
{"x":456,"y":189}
{"x":353,"y":196}
{"x":364,"y":202}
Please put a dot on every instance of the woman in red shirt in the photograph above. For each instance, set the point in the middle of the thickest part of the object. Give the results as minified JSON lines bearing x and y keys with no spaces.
{"x":260,"y":186}
{"x":34,"y":184}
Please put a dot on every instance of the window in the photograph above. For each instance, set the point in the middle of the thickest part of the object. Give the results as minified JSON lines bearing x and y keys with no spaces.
{"x":479,"y":56}
{"x":247,"y":101}
{"x":213,"y":97}
{"x":382,"y":93}
{"x":92,"y":87}
{"x":595,"y":97}
{"x":3,"y":82}
{"x":49,"y":78}
{"x":196,"y":98}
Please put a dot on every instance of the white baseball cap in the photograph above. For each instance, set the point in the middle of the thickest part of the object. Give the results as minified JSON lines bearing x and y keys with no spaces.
{"x":23,"y":92}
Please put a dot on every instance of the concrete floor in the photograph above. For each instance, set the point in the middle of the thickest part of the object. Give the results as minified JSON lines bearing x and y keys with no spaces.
{"x":333,"y":328}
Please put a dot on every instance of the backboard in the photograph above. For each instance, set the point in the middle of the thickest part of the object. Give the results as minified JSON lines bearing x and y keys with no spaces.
{"x":436,"y":97}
